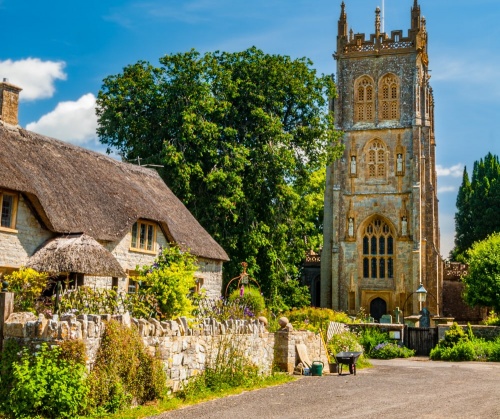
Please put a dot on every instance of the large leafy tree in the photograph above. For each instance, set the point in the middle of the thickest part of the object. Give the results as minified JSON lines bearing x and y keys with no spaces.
{"x":241,"y":137}
{"x":482,"y":283}
{"x":478,"y":205}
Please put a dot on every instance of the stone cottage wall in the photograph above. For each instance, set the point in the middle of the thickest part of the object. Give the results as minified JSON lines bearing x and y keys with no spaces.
{"x":16,"y":246}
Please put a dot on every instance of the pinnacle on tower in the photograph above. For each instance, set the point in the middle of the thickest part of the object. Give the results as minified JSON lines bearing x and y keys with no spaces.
{"x":342,"y":21}
{"x":415,"y":16}
{"x":377,"y":21}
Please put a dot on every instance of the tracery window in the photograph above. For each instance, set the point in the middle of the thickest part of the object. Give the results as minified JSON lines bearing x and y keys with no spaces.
{"x":364,"y":100}
{"x":378,"y":250}
{"x":376,"y":159}
{"x":389,"y":97}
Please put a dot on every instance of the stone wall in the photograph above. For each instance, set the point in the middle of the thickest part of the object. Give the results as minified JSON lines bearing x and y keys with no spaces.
{"x":484,"y":332}
{"x":184,"y":350}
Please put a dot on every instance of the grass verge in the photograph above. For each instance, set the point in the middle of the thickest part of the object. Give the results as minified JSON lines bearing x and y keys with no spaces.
{"x":173,"y":402}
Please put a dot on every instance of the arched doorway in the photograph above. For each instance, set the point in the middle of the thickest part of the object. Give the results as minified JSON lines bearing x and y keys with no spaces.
{"x":378,"y":307}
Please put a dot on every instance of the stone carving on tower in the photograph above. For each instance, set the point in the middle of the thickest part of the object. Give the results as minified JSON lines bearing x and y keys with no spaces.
{"x":381,"y":234}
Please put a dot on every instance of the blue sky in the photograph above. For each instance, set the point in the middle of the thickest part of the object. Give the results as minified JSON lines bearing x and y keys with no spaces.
{"x":59,"y":52}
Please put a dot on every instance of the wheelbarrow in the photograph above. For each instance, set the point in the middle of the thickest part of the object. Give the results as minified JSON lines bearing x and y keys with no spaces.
{"x":347,"y":358}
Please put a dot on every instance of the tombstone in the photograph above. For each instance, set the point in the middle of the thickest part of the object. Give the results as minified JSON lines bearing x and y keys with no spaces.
{"x":386,"y":318}
{"x":425,"y":320}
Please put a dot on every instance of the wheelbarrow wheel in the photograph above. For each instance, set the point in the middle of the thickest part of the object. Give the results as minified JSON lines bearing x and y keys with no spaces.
{"x":352,"y":369}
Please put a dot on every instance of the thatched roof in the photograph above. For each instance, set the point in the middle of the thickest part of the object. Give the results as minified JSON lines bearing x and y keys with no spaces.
{"x":75,"y":253}
{"x":77,"y":190}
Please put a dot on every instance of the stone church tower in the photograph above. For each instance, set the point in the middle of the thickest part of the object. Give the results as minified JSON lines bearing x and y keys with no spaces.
{"x":381,"y":234}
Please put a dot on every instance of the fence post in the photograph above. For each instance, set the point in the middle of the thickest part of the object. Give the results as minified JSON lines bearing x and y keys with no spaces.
{"x":6,"y":309}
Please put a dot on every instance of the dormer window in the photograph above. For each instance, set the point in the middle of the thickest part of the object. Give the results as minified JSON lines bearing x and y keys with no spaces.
{"x":8,"y":206}
{"x":143,"y":236}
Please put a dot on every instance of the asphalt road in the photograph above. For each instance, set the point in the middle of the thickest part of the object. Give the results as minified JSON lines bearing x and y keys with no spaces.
{"x":413,"y":388}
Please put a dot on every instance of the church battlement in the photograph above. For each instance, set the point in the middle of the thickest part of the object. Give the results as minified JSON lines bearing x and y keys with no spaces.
{"x":380,"y":43}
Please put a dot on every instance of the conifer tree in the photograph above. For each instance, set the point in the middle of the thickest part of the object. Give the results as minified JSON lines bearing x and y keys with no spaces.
{"x":478,"y":205}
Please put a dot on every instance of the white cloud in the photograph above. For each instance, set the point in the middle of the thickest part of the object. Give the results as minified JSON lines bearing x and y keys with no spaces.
{"x":454,"y":171}
{"x":74,"y":122}
{"x":34,"y":76}
{"x":445,"y":189}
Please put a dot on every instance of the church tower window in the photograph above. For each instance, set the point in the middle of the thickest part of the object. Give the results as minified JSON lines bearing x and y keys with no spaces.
{"x":389,"y":97}
{"x":364,"y":103}
{"x":378,"y":250}
{"x":376,"y":159}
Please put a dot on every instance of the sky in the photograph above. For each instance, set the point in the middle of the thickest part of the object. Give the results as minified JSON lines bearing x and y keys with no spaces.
{"x":60,"y":51}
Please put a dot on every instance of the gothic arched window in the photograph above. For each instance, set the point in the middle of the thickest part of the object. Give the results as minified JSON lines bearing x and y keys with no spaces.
{"x":364,"y":106}
{"x":376,"y":159}
{"x":389,"y":97}
{"x":378,"y":250}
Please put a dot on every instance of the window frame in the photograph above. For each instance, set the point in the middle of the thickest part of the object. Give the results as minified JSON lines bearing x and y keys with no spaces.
{"x":389,"y":105}
{"x":375,"y":261}
{"x":376,"y":160}
{"x":13,"y":211}
{"x":141,"y":246}
{"x":367,"y":104}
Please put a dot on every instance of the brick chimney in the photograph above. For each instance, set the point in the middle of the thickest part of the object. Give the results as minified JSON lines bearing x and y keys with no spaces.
{"x":9,"y":102}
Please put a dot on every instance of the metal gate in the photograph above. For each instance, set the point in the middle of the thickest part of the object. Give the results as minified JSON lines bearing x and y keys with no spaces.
{"x":421,"y":339}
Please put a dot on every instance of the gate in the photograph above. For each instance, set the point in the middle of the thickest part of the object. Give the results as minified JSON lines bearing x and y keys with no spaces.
{"x":421,"y":339}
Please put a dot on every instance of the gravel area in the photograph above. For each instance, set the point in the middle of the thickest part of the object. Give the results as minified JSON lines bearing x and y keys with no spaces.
{"x":401,"y":388}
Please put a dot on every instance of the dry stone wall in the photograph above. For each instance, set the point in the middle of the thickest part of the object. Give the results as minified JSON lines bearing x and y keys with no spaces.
{"x":184,"y":349}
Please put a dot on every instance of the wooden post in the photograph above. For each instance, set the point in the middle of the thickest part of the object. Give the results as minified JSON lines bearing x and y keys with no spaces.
{"x":6,"y":309}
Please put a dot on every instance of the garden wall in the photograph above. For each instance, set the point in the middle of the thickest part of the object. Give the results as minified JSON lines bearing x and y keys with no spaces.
{"x":184,"y":350}
{"x":485,"y":332}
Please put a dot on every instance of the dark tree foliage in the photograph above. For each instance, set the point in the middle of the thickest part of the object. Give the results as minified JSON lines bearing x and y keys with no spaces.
{"x":242,"y":138}
{"x":478,"y":205}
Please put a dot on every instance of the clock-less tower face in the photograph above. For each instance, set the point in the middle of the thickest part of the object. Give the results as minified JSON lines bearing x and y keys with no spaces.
{"x":381,"y":226}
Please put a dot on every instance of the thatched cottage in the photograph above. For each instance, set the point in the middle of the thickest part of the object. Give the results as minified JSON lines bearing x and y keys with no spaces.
{"x":69,"y":209}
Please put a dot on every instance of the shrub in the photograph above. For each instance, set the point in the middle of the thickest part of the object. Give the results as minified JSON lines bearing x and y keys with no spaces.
{"x":46,"y":384}
{"x":27,"y":286}
{"x":492,"y":319}
{"x":315,"y":319}
{"x":370,"y":337}
{"x":462,"y":351}
{"x":124,"y":371}
{"x":9,"y":355}
{"x":166,"y":284}
{"x":390,"y":350}
{"x":251,"y":300}
{"x":344,"y":342}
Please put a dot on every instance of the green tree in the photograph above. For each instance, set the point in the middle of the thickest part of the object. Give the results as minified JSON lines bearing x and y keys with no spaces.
{"x":482,"y":282}
{"x":478,"y":201}
{"x":241,"y":137}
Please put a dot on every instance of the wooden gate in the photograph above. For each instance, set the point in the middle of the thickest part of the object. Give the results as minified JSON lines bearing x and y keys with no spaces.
{"x":421,"y":339}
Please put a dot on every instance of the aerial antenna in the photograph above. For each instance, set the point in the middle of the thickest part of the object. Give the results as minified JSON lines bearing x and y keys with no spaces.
{"x":383,"y":16}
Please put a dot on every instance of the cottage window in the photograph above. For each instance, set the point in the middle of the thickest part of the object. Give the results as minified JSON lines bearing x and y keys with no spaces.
{"x":8,"y":206}
{"x":364,"y":103}
{"x":378,"y":250}
{"x":143,"y":236}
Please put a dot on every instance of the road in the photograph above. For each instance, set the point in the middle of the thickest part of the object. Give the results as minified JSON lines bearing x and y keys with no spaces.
{"x":402,"y":388}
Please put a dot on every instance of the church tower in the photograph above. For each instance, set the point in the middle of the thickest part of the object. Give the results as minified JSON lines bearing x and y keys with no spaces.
{"x":381,"y":234}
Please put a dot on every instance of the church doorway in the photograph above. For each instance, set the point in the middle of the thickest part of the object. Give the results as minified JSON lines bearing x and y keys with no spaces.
{"x":378,"y":307}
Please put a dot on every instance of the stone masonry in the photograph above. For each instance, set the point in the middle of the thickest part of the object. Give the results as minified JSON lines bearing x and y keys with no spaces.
{"x":184,"y":350}
{"x":381,"y":234}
